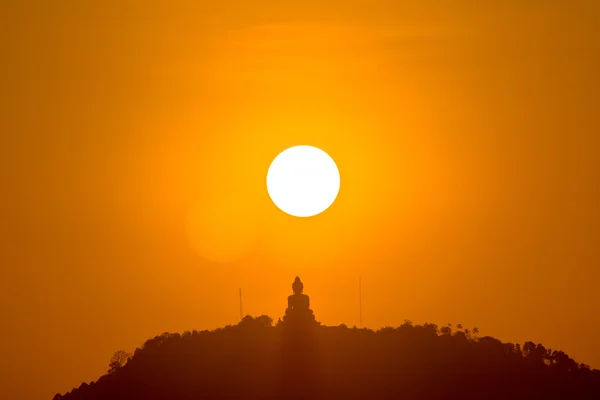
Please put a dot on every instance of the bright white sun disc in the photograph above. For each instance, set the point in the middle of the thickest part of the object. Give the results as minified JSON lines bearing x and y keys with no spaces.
{"x":303,"y":181}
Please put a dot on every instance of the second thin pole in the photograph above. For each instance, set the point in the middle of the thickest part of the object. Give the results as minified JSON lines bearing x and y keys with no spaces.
{"x":360,"y":302}
{"x":241,"y":315}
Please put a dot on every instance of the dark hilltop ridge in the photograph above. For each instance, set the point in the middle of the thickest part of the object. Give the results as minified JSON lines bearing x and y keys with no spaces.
{"x":299,"y":358}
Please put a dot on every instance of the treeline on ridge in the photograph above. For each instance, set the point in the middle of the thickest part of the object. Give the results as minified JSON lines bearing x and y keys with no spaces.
{"x":258,"y":360}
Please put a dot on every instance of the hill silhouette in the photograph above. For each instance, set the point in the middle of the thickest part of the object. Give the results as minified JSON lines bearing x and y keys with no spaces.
{"x":299,"y":358}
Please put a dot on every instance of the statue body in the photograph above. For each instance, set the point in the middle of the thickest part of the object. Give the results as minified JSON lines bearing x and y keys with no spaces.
{"x":298,"y":302}
{"x":298,"y":312}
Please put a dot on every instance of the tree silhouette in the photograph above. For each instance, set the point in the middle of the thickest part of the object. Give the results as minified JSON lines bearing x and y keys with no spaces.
{"x":118,"y":360}
{"x":446,"y":330}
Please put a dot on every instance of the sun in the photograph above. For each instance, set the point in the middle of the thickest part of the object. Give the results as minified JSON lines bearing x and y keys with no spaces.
{"x":303,"y":181}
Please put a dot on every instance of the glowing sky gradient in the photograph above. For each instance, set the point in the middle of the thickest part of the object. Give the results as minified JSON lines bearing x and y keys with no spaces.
{"x":466,"y":133}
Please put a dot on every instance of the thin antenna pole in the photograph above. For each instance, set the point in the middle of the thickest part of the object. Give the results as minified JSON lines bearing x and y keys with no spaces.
{"x":241,"y":317}
{"x":360,"y":301}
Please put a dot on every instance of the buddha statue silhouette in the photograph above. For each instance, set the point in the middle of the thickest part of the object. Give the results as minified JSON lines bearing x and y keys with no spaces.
{"x":299,"y":354}
{"x":298,"y":311}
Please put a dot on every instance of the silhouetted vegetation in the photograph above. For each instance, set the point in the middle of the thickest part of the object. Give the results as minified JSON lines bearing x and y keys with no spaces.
{"x":118,"y":360}
{"x":256,"y":360}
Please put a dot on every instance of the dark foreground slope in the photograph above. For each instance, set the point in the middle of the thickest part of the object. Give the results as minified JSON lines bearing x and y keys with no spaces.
{"x":254,"y":360}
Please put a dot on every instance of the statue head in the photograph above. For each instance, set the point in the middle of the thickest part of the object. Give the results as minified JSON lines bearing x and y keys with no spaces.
{"x":297,"y":286}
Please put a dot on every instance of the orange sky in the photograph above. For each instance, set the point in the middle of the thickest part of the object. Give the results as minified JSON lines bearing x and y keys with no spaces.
{"x":135,"y":140}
